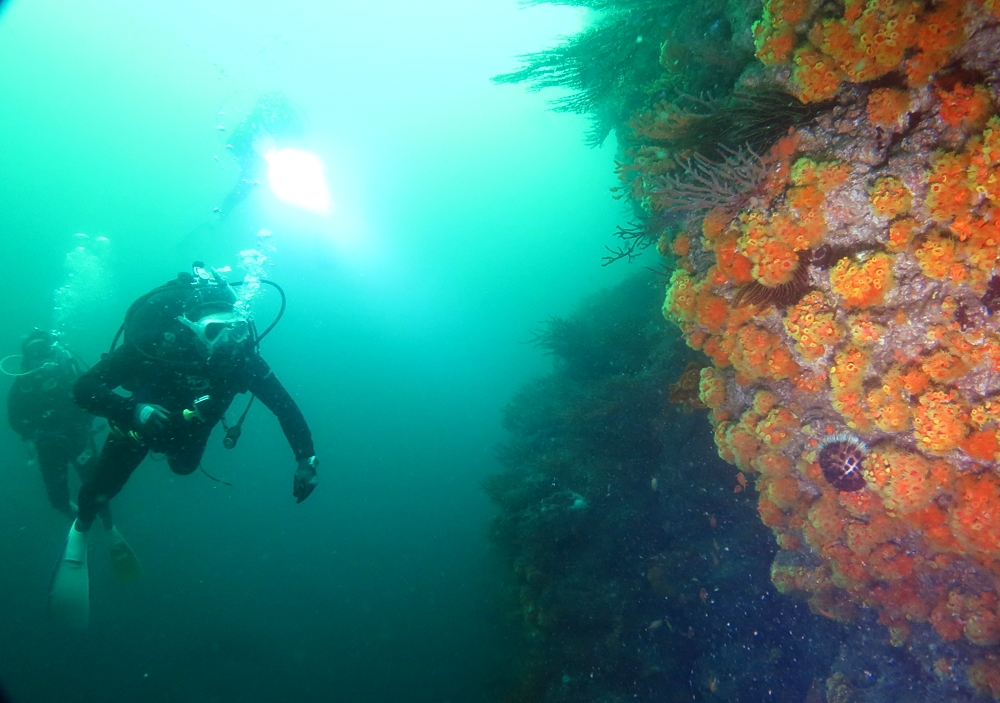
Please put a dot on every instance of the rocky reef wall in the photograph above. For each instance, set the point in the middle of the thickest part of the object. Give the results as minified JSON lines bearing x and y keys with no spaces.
{"x":824,"y":190}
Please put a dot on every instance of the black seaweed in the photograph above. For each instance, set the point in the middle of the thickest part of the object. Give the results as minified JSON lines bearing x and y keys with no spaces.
{"x":635,"y":49}
{"x":626,"y":587}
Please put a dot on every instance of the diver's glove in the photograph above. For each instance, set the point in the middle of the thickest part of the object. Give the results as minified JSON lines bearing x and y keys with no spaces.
{"x":150,"y":418}
{"x":305,"y":478}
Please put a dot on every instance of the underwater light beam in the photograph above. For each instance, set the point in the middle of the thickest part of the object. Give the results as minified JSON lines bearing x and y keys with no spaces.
{"x":298,"y":178}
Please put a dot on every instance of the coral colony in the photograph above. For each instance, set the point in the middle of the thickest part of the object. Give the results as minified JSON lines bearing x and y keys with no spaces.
{"x":862,"y":395}
{"x":822,"y":181}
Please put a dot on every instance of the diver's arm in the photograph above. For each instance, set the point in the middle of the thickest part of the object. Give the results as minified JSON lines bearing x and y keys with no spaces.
{"x":240,"y":192}
{"x":266,"y":386}
{"x":252,"y":165}
{"x":18,"y":412}
{"x":77,"y":367}
{"x":94,"y":391}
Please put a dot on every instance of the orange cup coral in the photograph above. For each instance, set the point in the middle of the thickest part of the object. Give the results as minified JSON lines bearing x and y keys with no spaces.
{"x":863,"y":284}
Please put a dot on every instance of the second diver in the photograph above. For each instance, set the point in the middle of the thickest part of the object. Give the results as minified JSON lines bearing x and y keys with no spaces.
{"x":40,"y":408}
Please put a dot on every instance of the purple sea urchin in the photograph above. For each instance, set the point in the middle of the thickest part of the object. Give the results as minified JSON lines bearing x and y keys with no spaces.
{"x":840,"y":458}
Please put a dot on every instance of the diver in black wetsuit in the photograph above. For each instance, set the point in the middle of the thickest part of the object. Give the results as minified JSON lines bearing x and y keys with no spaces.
{"x":272,"y":122}
{"x":188,"y":355}
{"x":41,"y":410}
{"x":187,"y":352}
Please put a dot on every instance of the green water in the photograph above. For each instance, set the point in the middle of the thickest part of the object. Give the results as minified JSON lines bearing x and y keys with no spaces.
{"x":466,"y":213}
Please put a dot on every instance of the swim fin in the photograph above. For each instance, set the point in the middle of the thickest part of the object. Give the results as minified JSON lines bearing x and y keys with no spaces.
{"x":123,"y":560}
{"x":69,"y":591}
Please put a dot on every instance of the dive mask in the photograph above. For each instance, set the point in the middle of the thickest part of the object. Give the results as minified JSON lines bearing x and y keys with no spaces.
{"x":218,"y":330}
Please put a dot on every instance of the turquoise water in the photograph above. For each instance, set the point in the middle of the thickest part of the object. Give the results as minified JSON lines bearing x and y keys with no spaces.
{"x":465,"y":214}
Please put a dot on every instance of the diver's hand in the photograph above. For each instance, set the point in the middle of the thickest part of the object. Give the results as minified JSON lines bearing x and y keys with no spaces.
{"x":150,"y":418}
{"x":305,"y":478}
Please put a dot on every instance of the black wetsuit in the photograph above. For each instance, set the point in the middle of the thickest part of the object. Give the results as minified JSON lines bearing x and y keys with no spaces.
{"x":176,"y":388}
{"x":40,"y":408}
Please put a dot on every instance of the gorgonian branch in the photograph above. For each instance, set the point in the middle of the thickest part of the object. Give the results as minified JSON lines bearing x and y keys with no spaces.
{"x":704,"y":185}
{"x":636,"y":238}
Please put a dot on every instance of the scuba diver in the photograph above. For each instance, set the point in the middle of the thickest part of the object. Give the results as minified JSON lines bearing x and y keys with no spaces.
{"x":271,"y":123}
{"x":40,"y":408}
{"x":188,"y":350}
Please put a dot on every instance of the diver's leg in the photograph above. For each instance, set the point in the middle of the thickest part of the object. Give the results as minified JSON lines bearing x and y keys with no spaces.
{"x":119,"y":458}
{"x":124,"y":562}
{"x":106,"y":519}
{"x":85,"y":470}
{"x":53,"y":466}
{"x":89,"y":454}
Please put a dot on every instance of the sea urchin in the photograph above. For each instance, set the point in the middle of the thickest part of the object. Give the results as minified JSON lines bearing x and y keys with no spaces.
{"x":840,"y":458}
{"x":783,"y":295}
